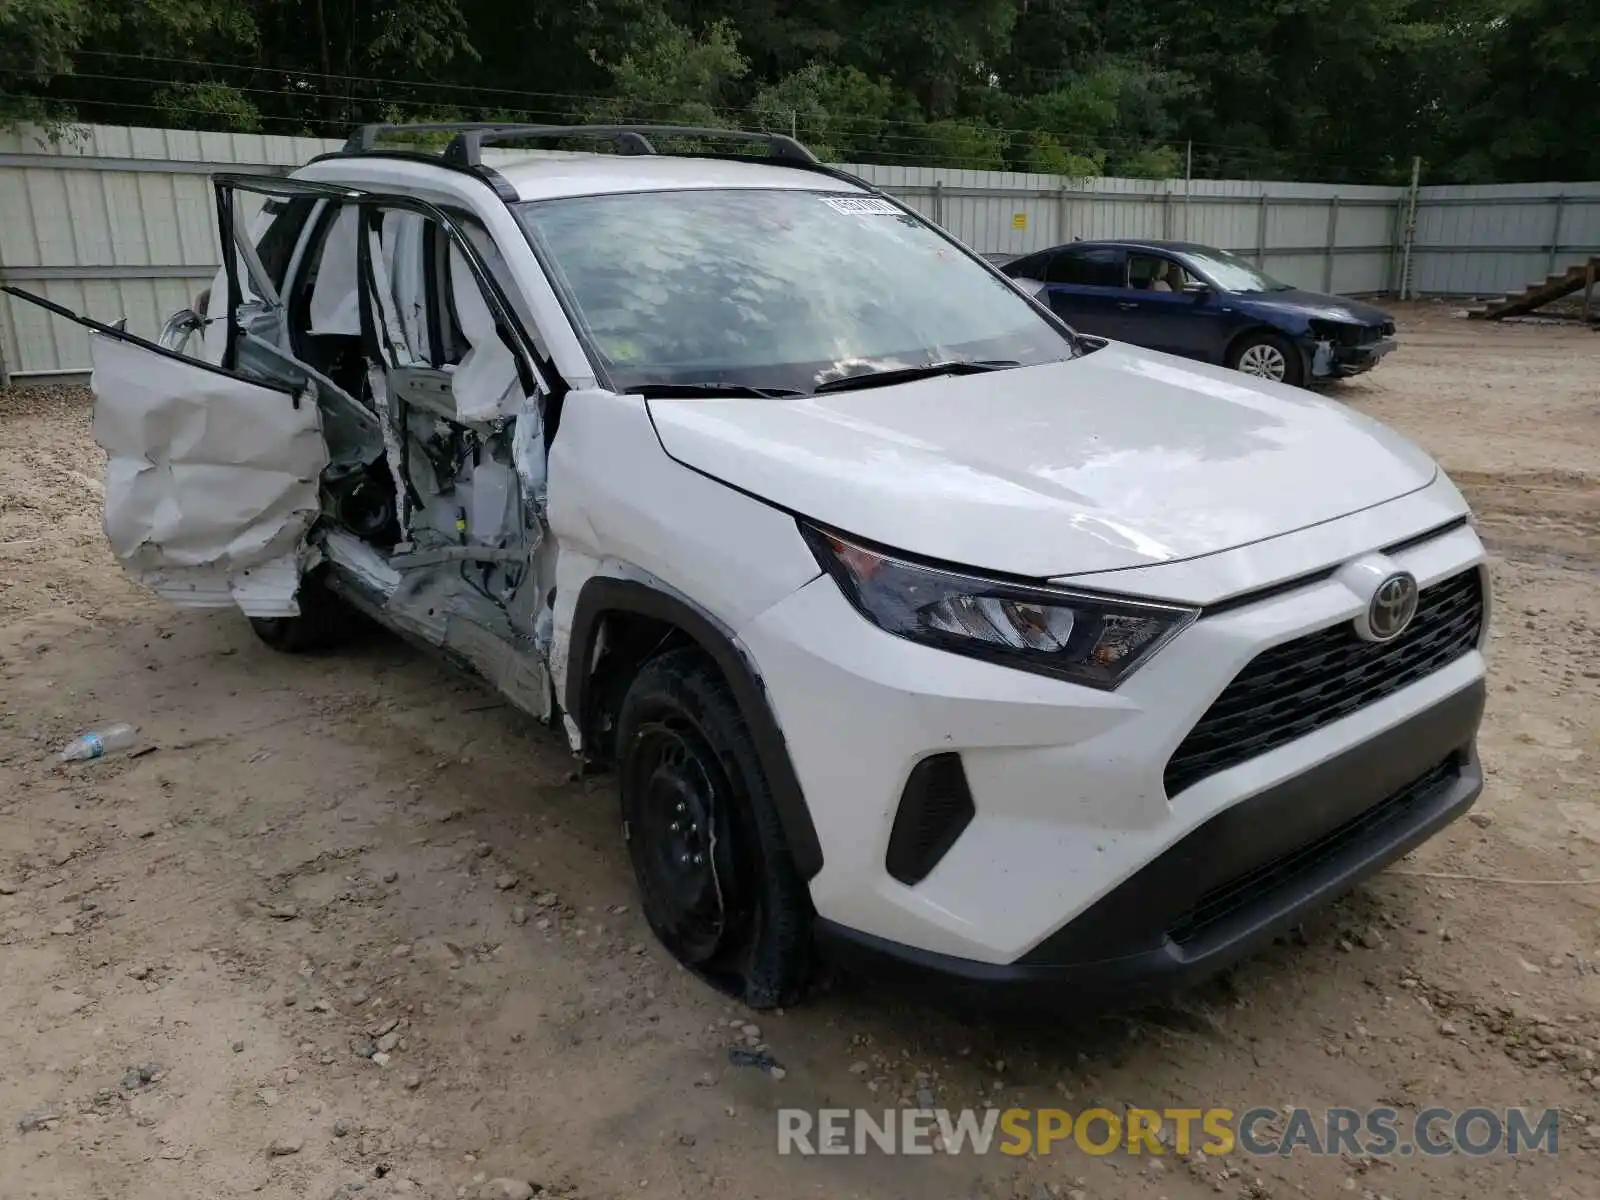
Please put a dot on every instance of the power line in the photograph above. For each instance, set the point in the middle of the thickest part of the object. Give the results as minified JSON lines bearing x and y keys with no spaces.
{"x":298,"y":127}
{"x":1071,"y":140}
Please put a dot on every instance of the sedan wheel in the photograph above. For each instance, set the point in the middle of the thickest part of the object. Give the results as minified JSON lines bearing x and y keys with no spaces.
{"x":1265,"y":361}
{"x":1267,"y":356}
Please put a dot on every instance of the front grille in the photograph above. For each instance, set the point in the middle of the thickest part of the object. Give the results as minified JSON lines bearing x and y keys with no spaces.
{"x":1361,"y":335}
{"x":1299,"y":687}
{"x":1255,"y":886}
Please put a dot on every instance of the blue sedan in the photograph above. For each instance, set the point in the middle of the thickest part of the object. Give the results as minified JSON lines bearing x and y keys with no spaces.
{"x":1206,"y":304}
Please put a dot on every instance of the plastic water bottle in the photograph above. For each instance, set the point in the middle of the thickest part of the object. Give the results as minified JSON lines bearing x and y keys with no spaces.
{"x":100,"y":742}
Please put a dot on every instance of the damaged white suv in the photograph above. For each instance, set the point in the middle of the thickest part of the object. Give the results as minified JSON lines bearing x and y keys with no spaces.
{"x":916,"y":627}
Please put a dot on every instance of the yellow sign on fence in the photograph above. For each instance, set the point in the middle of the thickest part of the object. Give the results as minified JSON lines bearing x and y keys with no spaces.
{"x":1019,"y":220}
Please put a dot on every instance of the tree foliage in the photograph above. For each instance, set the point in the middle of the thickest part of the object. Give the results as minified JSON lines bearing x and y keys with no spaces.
{"x":1483,"y":90}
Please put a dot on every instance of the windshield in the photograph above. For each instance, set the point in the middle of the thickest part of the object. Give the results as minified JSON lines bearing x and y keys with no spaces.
{"x":1232,"y":273}
{"x":777,"y":289}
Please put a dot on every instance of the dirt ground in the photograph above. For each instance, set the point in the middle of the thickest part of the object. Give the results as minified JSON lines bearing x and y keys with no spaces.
{"x":201,"y":946}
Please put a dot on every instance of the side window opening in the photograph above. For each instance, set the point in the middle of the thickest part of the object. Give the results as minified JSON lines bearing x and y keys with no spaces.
{"x":270,"y":237}
{"x":275,"y":248}
{"x":1029,"y":267}
{"x":1066,"y":267}
{"x":323,"y":308}
{"x":444,"y":321}
{"x":1099,"y":268}
{"x":1087,"y":268}
{"x":1156,"y":273}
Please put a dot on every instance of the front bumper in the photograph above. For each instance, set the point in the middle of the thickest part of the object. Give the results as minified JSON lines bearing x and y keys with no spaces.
{"x":1068,"y":798}
{"x":1233,"y":884}
{"x":1332,"y":361}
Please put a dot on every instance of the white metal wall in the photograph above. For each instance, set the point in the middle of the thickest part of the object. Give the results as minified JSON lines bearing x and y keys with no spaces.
{"x":1482,"y":241}
{"x":120,"y":222}
{"x":1319,"y":236}
{"x":115,"y":222}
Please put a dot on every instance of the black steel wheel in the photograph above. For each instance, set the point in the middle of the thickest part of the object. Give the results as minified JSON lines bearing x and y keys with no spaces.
{"x":716,"y":880}
{"x":325,"y":621}
{"x":680,"y":838}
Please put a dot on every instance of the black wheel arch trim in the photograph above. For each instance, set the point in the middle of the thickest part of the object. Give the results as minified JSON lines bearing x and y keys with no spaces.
{"x":602,"y":596}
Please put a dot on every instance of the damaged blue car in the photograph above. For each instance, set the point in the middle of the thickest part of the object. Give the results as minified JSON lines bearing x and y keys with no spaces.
{"x":1206,"y":304}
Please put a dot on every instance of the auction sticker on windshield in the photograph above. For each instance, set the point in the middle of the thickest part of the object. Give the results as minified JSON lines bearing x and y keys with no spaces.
{"x":862,"y":206}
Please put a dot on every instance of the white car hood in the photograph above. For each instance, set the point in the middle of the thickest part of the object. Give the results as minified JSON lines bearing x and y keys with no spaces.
{"x":1118,"y":459}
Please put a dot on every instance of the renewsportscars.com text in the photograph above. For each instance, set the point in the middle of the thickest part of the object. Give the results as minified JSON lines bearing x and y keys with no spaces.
{"x":1373,"y":1132}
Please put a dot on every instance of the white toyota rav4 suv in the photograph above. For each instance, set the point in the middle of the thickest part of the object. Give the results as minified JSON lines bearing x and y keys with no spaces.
{"x":917,"y":628}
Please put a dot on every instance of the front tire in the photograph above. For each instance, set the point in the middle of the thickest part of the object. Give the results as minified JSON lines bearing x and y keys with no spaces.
{"x":1267,"y":356}
{"x":717,"y":881}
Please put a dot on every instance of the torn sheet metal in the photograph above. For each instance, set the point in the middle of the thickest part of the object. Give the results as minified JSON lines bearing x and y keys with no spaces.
{"x":364,"y":564}
{"x":440,"y":609}
{"x":393,"y":451}
{"x":211,"y":480}
{"x":528,"y":456}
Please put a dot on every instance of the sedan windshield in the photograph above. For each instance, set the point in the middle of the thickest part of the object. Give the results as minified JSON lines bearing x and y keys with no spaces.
{"x":1232,"y":273}
{"x":783,"y":290}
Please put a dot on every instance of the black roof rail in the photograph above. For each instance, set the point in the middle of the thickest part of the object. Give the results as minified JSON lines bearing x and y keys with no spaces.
{"x":365,"y":138}
{"x":466,"y":148}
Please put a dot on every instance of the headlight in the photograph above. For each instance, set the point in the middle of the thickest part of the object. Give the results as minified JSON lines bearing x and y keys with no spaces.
{"x":1094,"y":640}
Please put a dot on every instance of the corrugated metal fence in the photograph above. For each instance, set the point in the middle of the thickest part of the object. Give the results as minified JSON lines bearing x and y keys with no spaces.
{"x":1319,"y":236}
{"x":117,"y":222}
{"x":121,"y":222}
{"x":1489,"y":239}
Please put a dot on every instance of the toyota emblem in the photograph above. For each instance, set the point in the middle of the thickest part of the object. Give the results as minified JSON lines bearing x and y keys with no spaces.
{"x":1391,"y":608}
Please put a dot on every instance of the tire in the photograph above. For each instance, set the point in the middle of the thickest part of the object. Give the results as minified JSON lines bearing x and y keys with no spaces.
{"x":325,"y":621}
{"x":1257,"y":354}
{"x":716,"y":879}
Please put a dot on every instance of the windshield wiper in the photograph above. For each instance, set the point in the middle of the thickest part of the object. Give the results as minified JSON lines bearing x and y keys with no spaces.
{"x":954,"y":366}
{"x":691,"y":391}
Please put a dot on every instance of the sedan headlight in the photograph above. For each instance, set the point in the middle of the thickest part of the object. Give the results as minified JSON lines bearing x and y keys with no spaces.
{"x":1094,"y":640}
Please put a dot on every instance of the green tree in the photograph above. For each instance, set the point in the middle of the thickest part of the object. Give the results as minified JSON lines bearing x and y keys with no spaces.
{"x":839,"y":112}
{"x":1046,"y":155}
{"x":37,"y":40}
{"x":1531,"y":112}
{"x":965,"y":143}
{"x":671,"y":75}
{"x":1311,"y":89}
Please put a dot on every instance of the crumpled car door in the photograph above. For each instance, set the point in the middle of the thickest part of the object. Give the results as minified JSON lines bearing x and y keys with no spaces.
{"x":213,"y":470}
{"x":212,"y":478}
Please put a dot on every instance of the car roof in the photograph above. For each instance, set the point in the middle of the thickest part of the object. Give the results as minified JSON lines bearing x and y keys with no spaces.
{"x":550,"y":175}
{"x":1136,"y":244}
